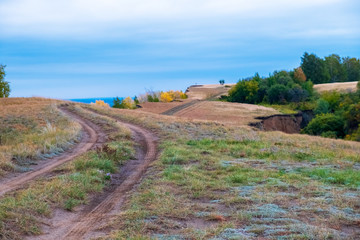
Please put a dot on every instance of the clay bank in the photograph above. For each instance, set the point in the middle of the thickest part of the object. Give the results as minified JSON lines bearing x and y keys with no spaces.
{"x":288,"y":123}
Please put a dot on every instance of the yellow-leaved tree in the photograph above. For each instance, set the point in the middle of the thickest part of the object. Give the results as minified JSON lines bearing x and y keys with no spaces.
{"x":100,"y":103}
{"x":129,"y":103}
{"x":166,"y":97}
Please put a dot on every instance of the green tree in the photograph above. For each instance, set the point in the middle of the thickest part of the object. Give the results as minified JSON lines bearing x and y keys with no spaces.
{"x":222,"y":81}
{"x":314,"y":68}
{"x":244,"y":91}
{"x":352,"y":68}
{"x":278,"y":94}
{"x":4,"y":86}
{"x":335,"y":68}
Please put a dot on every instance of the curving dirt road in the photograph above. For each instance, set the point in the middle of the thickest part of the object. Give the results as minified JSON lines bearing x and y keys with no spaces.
{"x":92,"y":136}
{"x":85,"y":225}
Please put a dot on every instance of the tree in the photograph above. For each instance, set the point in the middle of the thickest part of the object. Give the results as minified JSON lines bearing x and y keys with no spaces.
{"x":352,"y":68}
{"x":245,"y":91}
{"x":278,"y":94}
{"x":314,"y":68}
{"x":4,"y":86}
{"x":222,"y":81}
{"x":299,"y":75}
{"x":335,"y":68}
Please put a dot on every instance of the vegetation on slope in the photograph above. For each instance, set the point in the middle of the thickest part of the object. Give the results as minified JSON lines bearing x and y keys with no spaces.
{"x":217,"y":182}
{"x":336,"y":114}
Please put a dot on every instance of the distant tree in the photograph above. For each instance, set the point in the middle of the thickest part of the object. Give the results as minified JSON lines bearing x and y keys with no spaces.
{"x":314,"y":68}
{"x":297,"y":94}
{"x":352,"y":68}
{"x":336,"y":70}
{"x":4,"y":86}
{"x":278,"y":94}
{"x":245,"y":91}
{"x":136,"y":100}
{"x":299,"y":75}
{"x":222,"y":81}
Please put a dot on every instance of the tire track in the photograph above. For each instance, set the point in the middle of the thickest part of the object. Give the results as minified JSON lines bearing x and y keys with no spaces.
{"x":91,"y":137}
{"x":133,"y":171}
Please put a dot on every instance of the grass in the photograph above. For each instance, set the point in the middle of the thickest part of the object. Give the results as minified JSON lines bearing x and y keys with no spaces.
{"x":32,"y":129}
{"x":214,"y":181}
{"x":211,"y":181}
{"x":22,"y":212}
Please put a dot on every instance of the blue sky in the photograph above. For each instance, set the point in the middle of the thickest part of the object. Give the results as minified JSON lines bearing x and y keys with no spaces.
{"x":80,"y":49}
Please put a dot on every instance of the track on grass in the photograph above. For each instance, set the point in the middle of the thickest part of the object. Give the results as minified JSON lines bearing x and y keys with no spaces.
{"x":91,"y":137}
{"x":85,"y":225}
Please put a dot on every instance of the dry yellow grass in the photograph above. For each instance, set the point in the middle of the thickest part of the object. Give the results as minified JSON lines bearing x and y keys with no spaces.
{"x":341,"y":87}
{"x":202,"y":92}
{"x":31,"y":128}
{"x":226,"y":112}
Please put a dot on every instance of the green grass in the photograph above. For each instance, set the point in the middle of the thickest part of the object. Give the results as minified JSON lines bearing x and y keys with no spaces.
{"x":348,"y":177}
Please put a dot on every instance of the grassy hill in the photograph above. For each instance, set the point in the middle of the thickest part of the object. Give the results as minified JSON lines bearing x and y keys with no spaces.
{"x":210,"y":180}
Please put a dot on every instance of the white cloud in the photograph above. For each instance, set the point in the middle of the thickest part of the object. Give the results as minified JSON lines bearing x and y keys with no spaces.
{"x":133,"y":18}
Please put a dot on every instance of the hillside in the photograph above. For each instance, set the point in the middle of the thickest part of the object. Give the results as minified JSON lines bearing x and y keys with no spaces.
{"x":340,"y":87}
{"x":177,"y":178}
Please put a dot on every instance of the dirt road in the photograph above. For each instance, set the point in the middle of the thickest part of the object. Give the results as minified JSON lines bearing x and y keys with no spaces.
{"x":92,"y":136}
{"x":132,"y":171}
{"x":84,"y":222}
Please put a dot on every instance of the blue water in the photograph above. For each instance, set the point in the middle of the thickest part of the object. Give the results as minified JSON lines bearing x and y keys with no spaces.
{"x":92,"y":100}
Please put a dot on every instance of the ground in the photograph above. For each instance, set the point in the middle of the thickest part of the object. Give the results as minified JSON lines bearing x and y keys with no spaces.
{"x":207,"y":180}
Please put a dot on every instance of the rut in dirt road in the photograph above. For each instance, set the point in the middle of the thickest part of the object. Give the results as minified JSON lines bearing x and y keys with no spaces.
{"x":92,"y":136}
{"x":147,"y":153}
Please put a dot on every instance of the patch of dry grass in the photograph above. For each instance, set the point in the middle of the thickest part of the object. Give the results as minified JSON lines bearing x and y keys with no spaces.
{"x":340,"y":87}
{"x":32,"y":128}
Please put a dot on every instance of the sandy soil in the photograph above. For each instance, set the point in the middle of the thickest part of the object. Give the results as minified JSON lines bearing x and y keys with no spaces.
{"x":91,"y":137}
{"x":342,"y":87}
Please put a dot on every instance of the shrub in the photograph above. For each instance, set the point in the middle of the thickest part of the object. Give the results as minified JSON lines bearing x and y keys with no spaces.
{"x":166,"y":97}
{"x":325,"y":123}
{"x":126,"y":103}
{"x":244,"y":91}
{"x":278,"y":94}
{"x":322,"y":106}
{"x":100,"y":103}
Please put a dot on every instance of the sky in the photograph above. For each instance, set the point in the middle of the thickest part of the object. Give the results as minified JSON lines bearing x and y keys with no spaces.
{"x":88,"y":48}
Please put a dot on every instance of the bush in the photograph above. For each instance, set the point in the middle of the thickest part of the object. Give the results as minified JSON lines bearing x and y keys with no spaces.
{"x":244,"y":91}
{"x":322,"y":107}
{"x":327,"y":124}
{"x":100,"y":103}
{"x":126,"y":103}
{"x":278,"y":94}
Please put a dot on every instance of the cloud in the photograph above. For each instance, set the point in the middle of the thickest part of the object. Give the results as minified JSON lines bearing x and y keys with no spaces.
{"x":115,"y":19}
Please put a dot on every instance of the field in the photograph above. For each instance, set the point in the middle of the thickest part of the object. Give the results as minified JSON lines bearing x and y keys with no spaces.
{"x":185,"y":178}
{"x":341,"y":87}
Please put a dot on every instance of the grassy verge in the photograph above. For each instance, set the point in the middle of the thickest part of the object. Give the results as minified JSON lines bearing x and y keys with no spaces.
{"x":21,"y":213}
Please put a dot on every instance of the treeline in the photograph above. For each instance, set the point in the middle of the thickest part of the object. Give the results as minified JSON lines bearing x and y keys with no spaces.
{"x":279,"y":88}
{"x":283,"y":87}
{"x":331,"y":69}
{"x":337,"y":115}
